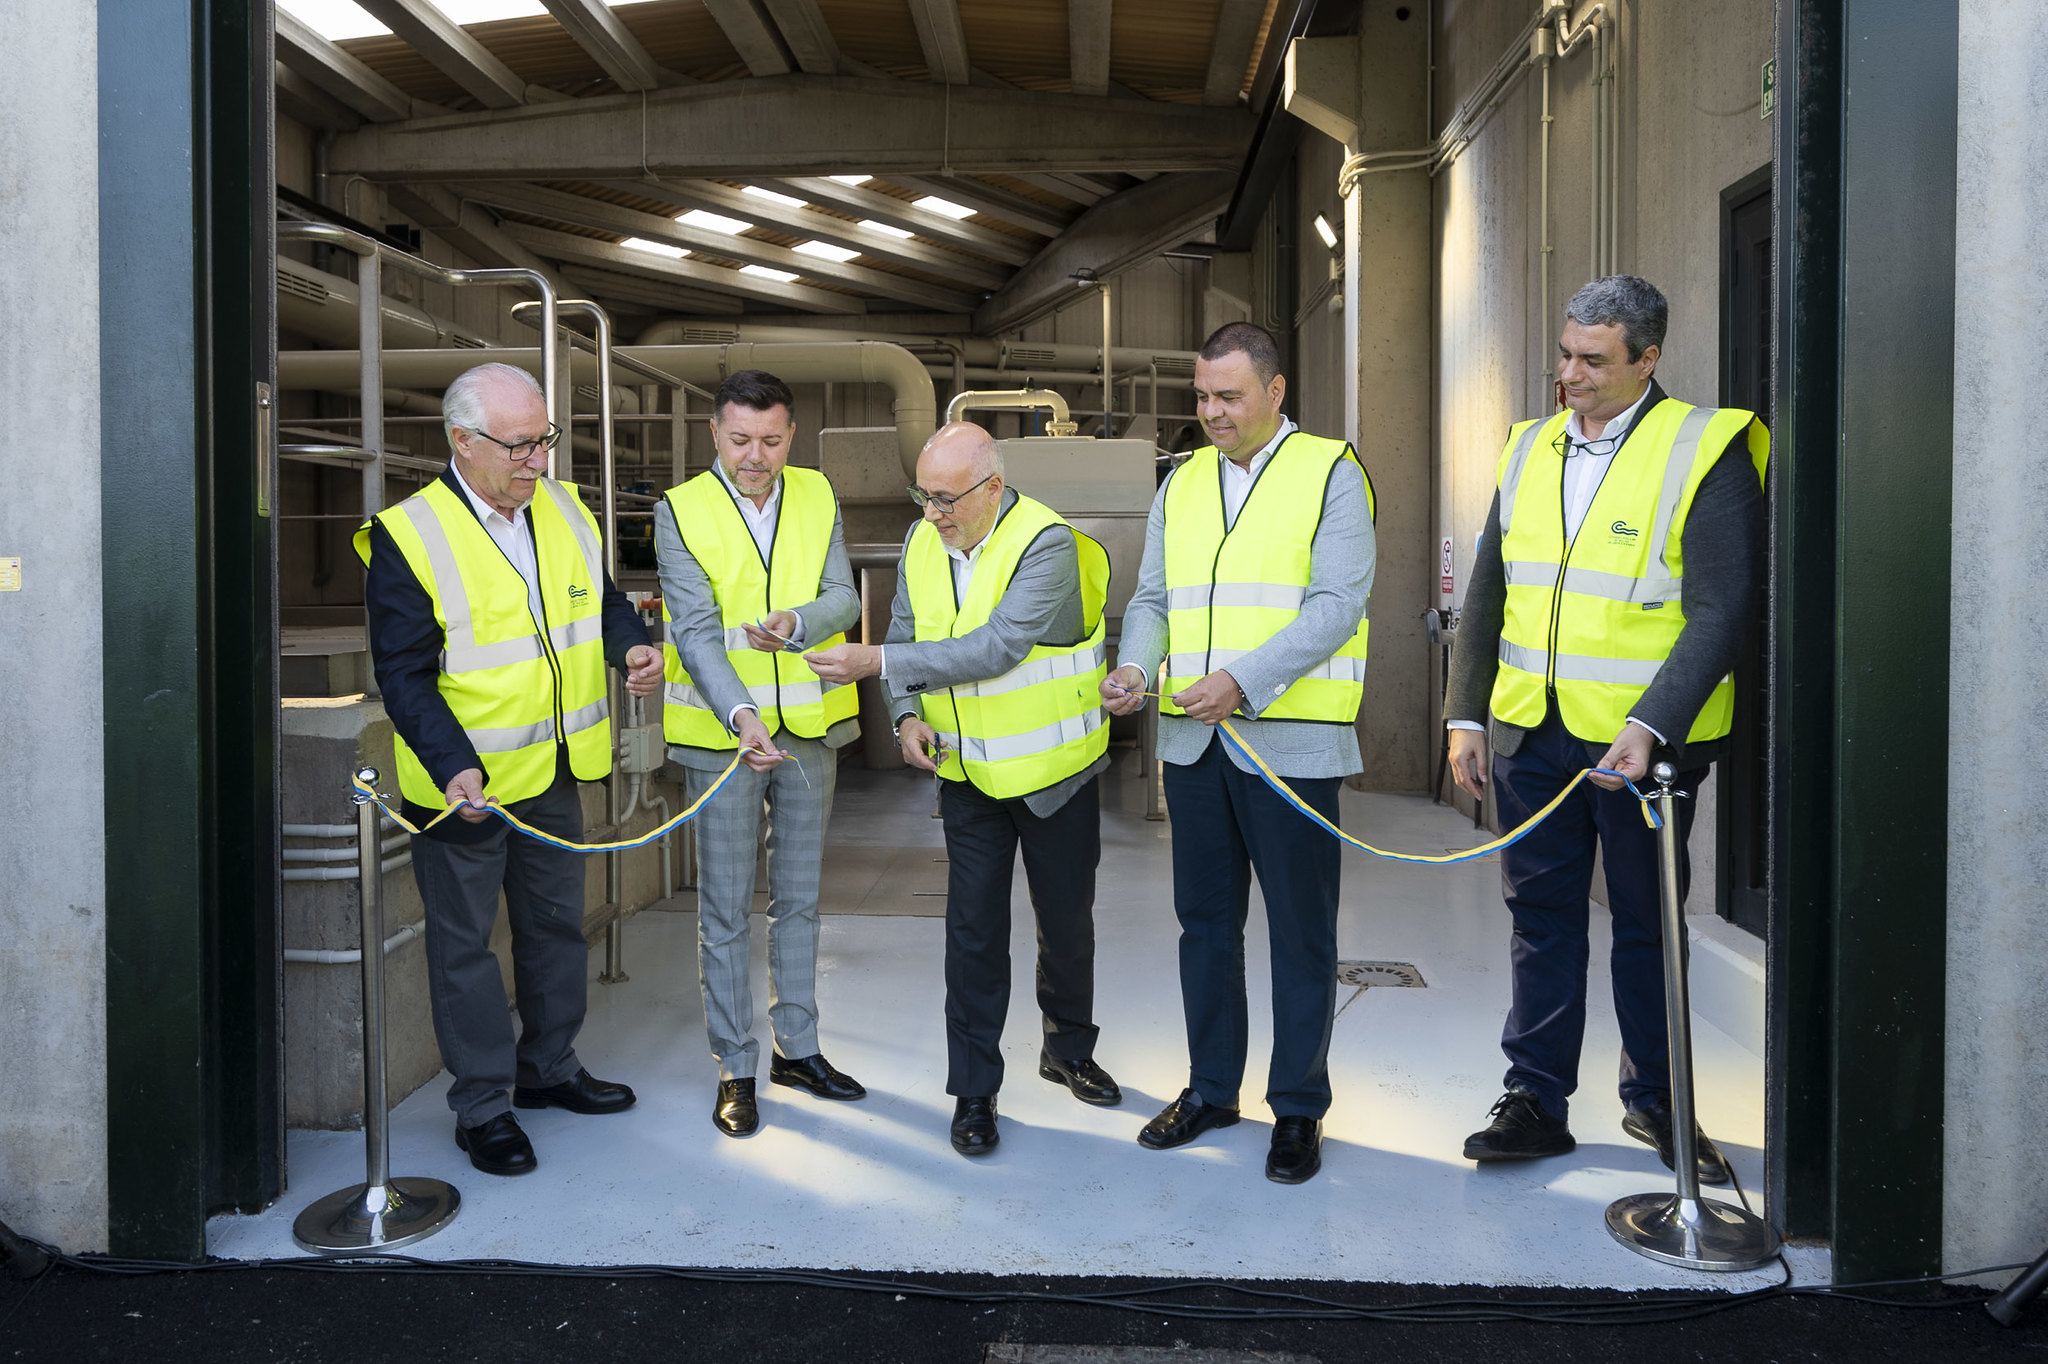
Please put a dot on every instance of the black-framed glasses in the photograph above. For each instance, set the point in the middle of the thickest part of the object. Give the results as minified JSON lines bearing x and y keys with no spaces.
{"x":521,"y":450}
{"x":943,"y":501}
{"x":1598,"y":448}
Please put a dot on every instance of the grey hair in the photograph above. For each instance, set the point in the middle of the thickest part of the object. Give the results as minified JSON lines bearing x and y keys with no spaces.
{"x":1628,"y":300}
{"x":990,"y":458}
{"x":462,"y":402}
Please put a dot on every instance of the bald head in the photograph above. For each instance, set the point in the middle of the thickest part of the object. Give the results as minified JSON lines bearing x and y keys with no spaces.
{"x":961,"y":461}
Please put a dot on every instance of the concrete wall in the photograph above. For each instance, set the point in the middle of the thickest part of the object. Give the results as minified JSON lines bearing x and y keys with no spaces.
{"x":1997,"y":1125}
{"x":52,"y":909}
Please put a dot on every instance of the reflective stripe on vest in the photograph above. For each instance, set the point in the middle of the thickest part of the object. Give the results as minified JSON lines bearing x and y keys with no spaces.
{"x":1592,"y":621}
{"x":1040,"y":722}
{"x":519,"y":691}
{"x":782,"y":686}
{"x":1228,"y":592}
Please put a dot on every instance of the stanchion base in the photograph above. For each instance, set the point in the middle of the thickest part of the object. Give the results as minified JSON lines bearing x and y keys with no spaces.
{"x":1701,"y":1235}
{"x":385,"y":1217}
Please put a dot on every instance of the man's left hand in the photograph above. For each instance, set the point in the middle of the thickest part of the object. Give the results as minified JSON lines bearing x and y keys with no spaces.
{"x":1211,"y":699}
{"x":643,"y":670}
{"x":778,"y":623}
{"x":1630,"y":756}
{"x":844,"y":663}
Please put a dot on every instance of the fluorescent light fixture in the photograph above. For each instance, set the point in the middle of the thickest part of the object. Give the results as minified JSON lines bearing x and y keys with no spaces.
{"x":334,"y":20}
{"x":488,"y":11}
{"x":886,"y":229}
{"x":655,"y":248}
{"x":825,"y":251}
{"x":1326,"y":232}
{"x":786,"y":200}
{"x":932,"y":203}
{"x":717,"y":222}
{"x":853,"y":179}
{"x":769,"y":272}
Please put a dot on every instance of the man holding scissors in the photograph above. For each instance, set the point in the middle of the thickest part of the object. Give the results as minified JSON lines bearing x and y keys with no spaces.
{"x":753,"y":565}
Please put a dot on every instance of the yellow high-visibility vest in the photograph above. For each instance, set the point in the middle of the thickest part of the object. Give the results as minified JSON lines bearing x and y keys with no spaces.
{"x":1228,"y":592}
{"x":517,"y":686}
{"x":1592,"y":619}
{"x":1042,"y":721}
{"x":785,"y":689}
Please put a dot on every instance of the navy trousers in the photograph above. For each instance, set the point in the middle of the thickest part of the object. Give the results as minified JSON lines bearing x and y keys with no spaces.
{"x":1547,"y":879}
{"x":1227,"y":826}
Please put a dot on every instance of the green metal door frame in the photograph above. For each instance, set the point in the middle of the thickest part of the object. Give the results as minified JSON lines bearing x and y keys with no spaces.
{"x":186,"y":269}
{"x":1860,"y":587}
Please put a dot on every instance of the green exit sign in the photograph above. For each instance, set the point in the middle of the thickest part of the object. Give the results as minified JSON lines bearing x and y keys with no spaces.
{"x":1770,"y":86}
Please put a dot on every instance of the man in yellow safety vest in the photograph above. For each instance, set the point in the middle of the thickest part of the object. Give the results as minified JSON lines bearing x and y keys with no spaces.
{"x":753,"y":566}
{"x":1251,"y":607}
{"x":1612,"y":593}
{"x":491,"y":619}
{"x":993,"y":660}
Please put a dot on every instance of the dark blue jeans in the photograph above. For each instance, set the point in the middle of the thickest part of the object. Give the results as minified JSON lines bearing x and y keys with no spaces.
{"x":1547,"y":879}
{"x":1228,"y":825}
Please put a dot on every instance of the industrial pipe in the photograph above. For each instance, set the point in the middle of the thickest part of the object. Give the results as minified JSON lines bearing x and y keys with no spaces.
{"x":1029,"y":399}
{"x":1011,"y":356}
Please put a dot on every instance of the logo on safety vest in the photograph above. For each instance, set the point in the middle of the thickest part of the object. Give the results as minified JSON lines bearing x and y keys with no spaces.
{"x":577,"y":593}
{"x":1623,"y":530}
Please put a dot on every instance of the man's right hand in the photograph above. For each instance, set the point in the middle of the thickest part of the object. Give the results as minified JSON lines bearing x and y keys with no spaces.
{"x":466,"y":788}
{"x":757,"y":746}
{"x":1123,"y":691}
{"x":1468,"y":761}
{"x":917,"y":740}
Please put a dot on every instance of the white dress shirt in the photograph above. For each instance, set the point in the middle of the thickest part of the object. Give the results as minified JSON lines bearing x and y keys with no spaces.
{"x":760,"y":523}
{"x":963,"y":574}
{"x":512,"y":538}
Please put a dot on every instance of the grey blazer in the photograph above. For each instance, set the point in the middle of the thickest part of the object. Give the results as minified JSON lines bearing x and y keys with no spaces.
{"x":1043,"y":601}
{"x":697,"y":626}
{"x":1341,"y":560}
{"x":1724,"y":558}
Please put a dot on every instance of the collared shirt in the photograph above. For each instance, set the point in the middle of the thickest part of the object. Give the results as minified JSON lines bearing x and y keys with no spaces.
{"x":1238,"y":479}
{"x":963,"y":574}
{"x":513,"y":538}
{"x":760,"y":522}
{"x":1585,"y":469}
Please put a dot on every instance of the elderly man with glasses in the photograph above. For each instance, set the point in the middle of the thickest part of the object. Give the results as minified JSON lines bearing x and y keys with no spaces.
{"x":491,"y":620}
{"x":993,"y":660}
{"x":1613,"y":591}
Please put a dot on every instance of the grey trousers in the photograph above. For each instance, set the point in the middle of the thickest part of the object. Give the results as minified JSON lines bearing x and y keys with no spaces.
{"x":728,"y":837}
{"x":550,"y":960}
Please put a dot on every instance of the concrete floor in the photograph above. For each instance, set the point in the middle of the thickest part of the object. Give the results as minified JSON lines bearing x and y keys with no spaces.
{"x":876,"y":1186}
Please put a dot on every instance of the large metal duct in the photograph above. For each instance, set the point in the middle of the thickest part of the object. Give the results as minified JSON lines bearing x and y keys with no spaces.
{"x":1009,"y":356}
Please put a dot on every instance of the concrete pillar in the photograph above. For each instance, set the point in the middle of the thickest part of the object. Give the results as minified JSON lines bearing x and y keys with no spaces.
{"x":1387,"y":317}
{"x":53,"y":1132}
{"x":1996,"y":1123}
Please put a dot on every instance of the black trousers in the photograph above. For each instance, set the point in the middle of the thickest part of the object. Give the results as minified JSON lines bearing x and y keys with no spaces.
{"x":1060,"y":855}
{"x":1228,"y":825}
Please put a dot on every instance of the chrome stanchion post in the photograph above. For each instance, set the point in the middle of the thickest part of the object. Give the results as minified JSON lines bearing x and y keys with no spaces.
{"x":1684,"y":1228}
{"x":381,"y":1213}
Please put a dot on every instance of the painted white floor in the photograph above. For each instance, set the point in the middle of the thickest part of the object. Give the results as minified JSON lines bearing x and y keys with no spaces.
{"x":876,"y":1186}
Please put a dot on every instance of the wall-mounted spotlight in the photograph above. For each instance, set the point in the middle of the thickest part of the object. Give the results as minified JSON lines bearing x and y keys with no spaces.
{"x":1326,"y":232}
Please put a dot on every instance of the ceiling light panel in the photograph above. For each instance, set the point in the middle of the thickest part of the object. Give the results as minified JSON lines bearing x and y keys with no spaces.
{"x":717,"y":222}
{"x":932,"y":203}
{"x":655,"y":248}
{"x":489,"y":11}
{"x":853,"y":179}
{"x":768,"y":272}
{"x":886,"y":229}
{"x":825,"y":251}
{"x":334,"y":20}
{"x":773,"y":197}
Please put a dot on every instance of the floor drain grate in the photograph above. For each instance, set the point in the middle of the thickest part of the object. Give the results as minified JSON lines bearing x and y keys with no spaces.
{"x":1381,"y":975}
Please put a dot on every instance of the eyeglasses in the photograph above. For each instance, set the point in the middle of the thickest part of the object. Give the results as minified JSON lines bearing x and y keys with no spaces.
{"x":944,"y":502}
{"x":1598,"y":448}
{"x":522,"y":450}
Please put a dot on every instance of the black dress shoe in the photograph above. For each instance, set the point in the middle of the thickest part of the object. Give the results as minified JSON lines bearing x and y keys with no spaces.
{"x":816,"y":1074}
{"x":580,"y":1093}
{"x":1089,"y":1082}
{"x":1297,"y":1150}
{"x":974,"y":1126}
{"x":1651,"y":1125}
{"x":1520,"y":1130}
{"x":735,"y":1114}
{"x":1181,"y":1121}
{"x":497,"y":1147}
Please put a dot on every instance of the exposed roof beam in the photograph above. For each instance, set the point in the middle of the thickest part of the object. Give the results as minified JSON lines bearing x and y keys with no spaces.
{"x":752,"y":34}
{"x":1126,"y":229}
{"x":299,"y":98}
{"x":330,"y":69}
{"x":610,"y":43}
{"x":804,"y":30}
{"x":470,"y":228}
{"x":1067,"y":187}
{"x":1230,"y":51}
{"x":568,"y":246}
{"x":706,"y":194}
{"x":451,"y":50}
{"x":985,"y":198}
{"x":802,"y":125}
{"x":607,"y":284}
{"x":887,"y":208}
{"x":1088,"y":45}
{"x":631,"y":222}
{"x":943,"y":40}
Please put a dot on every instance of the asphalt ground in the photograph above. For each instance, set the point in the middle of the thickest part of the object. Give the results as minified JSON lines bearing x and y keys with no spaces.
{"x":270,"y":1312}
